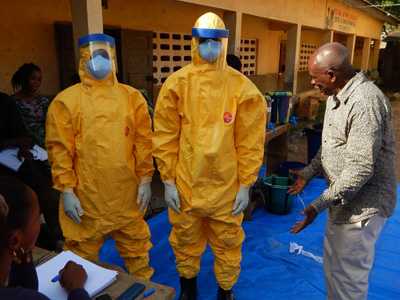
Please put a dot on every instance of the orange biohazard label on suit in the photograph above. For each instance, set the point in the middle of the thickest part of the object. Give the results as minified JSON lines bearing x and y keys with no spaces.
{"x":228,"y":117}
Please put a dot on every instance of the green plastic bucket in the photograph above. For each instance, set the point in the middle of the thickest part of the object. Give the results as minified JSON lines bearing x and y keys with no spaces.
{"x":277,"y":200}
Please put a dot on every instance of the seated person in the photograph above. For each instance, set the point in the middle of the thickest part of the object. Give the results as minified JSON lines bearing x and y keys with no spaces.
{"x":19,"y":229}
{"x":32,"y":106}
{"x":33,"y":173}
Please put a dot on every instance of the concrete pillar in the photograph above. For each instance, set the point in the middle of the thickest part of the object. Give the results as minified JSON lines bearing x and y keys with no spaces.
{"x":292,"y":56}
{"x":233,"y":22}
{"x":351,"y":46}
{"x":366,"y":54}
{"x":87,"y":17}
{"x":327,"y":37}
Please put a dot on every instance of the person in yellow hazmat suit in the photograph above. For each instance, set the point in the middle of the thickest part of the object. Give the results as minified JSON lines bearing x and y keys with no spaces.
{"x":98,"y":136}
{"x":209,"y":131}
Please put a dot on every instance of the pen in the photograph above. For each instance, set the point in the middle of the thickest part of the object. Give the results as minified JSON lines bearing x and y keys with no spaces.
{"x":56,"y":278}
{"x":149,"y":292}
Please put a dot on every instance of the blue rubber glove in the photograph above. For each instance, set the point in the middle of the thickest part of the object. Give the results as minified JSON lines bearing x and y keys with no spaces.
{"x":72,"y":206}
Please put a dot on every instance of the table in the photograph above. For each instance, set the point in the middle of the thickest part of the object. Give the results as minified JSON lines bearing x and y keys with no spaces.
{"x":276,"y":147}
{"x":124,"y":280}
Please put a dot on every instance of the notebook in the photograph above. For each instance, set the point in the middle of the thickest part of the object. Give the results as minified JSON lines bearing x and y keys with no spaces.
{"x":98,"y":278}
{"x":9,"y":157}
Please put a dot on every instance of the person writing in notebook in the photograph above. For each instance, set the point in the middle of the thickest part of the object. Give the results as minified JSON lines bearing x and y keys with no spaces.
{"x":19,"y":229}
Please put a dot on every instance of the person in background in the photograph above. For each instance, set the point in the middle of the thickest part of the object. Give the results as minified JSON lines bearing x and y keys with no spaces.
{"x":234,"y":62}
{"x":32,"y":106}
{"x":33,"y":173}
{"x":209,"y":130}
{"x":357,"y":156}
{"x":98,"y":135}
{"x":19,"y":229}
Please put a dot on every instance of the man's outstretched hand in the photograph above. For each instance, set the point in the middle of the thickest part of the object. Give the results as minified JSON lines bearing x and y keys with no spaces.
{"x":310,"y":214}
{"x":299,"y":184}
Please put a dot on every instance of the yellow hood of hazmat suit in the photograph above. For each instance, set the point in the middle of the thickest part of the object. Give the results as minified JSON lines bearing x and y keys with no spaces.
{"x":209,"y":131}
{"x":98,"y":136}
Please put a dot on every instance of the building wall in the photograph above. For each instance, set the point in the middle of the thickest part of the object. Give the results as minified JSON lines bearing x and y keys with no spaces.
{"x":312,"y":36}
{"x":268,"y":43}
{"x":358,"y":50}
{"x":365,"y":25}
{"x":311,"y":39}
{"x":357,"y":58}
{"x":307,"y":12}
{"x":28,"y":30}
{"x":27,"y":35}
{"x":374,"y":56}
{"x":28,"y":27}
{"x":155,"y":15}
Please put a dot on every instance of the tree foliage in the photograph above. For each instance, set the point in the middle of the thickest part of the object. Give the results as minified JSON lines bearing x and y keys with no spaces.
{"x":394,"y":10}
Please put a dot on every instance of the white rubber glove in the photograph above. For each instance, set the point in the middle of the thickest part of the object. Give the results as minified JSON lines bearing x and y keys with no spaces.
{"x":242,"y":200}
{"x":72,"y":206}
{"x":172,"y":197}
{"x":144,"y":196}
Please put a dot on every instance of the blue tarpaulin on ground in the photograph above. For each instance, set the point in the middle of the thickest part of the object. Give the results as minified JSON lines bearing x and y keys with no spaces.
{"x":269,"y":271}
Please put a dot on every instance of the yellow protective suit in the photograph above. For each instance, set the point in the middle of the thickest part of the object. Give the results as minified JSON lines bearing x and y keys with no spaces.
{"x":209,"y":131}
{"x":98,"y":136}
